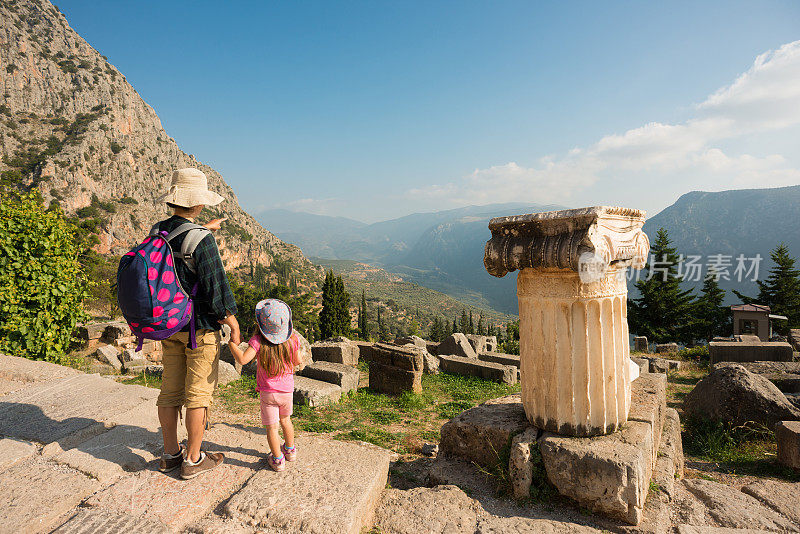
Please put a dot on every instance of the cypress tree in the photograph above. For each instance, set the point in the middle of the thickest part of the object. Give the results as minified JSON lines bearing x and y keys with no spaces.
{"x":327,"y":320}
{"x":471,"y":323}
{"x":463,"y":324}
{"x":663,"y":311}
{"x":713,"y":319}
{"x":363,"y":325}
{"x":481,"y":329}
{"x":455,"y":325}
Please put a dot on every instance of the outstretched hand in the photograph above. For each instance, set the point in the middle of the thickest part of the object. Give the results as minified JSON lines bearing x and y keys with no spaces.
{"x":214,"y":224}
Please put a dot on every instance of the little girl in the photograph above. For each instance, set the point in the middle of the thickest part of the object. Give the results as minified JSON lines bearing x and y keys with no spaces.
{"x":278,"y":351}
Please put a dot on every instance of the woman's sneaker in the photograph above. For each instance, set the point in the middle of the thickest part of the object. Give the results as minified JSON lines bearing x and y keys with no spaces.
{"x":289,"y":453}
{"x":276,"y":465}
{"x":169,"y":462}
{"x":207,"y":462}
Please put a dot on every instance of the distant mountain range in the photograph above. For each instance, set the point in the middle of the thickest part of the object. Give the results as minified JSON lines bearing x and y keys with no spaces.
{"x":745,"y":222}
{"x":440,"y":250}
{"x":444,"y":250}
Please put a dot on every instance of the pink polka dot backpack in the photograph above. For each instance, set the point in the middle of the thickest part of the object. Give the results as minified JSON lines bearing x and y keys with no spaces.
{"x":149,"y":292}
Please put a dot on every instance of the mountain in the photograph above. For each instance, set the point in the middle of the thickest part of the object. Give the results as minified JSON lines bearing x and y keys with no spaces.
{"x":72,"y":125}
{"x":747,"y":222}
{"x":440,"y":250}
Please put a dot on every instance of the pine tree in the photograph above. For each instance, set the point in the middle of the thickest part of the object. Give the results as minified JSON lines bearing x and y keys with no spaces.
{"x":781,"y":290}
{"x":471,"y":328}
{"x":663,"y":311}
{"x":481,"y":330}
{"x":713,"y":319}
{"x":455,"y":325}
{"x":463,"y":324}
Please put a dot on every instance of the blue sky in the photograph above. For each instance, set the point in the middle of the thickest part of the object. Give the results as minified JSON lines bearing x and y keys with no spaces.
{"x":373,"y":110}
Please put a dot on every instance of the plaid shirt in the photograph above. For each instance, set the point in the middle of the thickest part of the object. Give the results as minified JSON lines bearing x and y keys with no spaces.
{"x":214,"y":299}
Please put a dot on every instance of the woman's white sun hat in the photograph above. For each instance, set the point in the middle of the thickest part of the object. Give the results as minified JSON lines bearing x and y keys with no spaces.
{"x":189,"y":188}
{"x":274,"y":319}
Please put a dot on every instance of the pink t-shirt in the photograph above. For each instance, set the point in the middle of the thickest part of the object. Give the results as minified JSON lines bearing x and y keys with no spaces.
{"x":282,"y":383}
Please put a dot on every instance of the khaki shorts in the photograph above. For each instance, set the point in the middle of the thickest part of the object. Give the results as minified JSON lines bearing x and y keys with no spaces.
{"x":190,"y":375}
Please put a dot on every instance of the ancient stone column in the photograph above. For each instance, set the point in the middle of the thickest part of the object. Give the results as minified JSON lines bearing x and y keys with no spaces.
{"x":571,"y":287}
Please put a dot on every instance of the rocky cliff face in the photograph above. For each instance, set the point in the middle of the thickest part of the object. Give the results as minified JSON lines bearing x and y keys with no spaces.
{"x":73,"y":126}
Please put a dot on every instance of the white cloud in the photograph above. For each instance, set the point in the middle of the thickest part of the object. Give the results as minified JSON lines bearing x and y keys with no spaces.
{"x":765,"y":97}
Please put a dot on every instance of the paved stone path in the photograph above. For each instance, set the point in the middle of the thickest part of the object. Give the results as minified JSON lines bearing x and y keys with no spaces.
{"x":78,"y":453}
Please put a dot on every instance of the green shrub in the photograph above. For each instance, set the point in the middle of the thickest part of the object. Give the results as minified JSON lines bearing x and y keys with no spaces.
{"x":116,"y":148}
{"x":699,"y":353}
{"x":11,"y":68}
{"x":128,"y":200}
{"x":42,"y":285}
{"x":87,"y":212}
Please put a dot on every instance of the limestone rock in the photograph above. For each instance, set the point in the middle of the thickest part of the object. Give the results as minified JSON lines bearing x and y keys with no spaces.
{"x":340,"y":351}
{"x":344,"y":376}
{"x":103,"y":522}
{"x":227,"y":373}
{"x":115,"y":331}
{"x":457,"y":345}
{"x":408,"y":357}
{"x":780,"y":496}
{"x":787,"y":434}
{"x":413,"y":340}
{"x":482,"y":434}
{"x":333,"y":489}
{"x":734,"y":395}
{"x":430,"y":363}
{"x":60,"y":78}
{"x":393,"y":380}
{"x":734,"y":509}
{"x":520,"y":469}
{"x":315,"y":393}
{"x":496,"y":372}
{"x":608,"y":474}
{"x":110,"y":355}
{"x":640,"y":344}
{"x":14,"y":450}
{"x":666,"y":348}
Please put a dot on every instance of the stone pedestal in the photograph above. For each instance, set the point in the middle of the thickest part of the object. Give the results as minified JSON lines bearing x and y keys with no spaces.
{"x":572,"y":292}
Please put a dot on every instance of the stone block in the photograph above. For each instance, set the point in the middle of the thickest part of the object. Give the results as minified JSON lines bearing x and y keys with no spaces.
{"x":115,"y":331}
{"x":177,"y":503}
{"x":135,"y":366}
{"x":91,"y":331}
{"x":110,"y":355}
{"x":227,"y":373}
{"x":25,"y":370}
{"x":344,"y":376}
{"x":68,"y":409}
{"x":787,"y":434}
{"x":335,"y":351}
{"x":642,"y":363}
{"x":662,"y":365}
{"x":483,"y":434}
{"x":110,"y":455}
{"x":405,"y":357}
{"x":733,"y":508}
{"x":432,"y":347}
{"x":498,"y":357}
{"x":794,"y":339}
{"x":608,"y":474}
{"x":649,"y":404}
{"x":37,"y":495}
{"x":343,"y":482}
{"x":14,"y":450}
{"x":313,"y":393}
{"x":393,"y":380}
{"x":495,"y":372}
{"x":411,"y":340}
{"x":669,"y":462}
{"x":93,"y":521}
{"x":430,"y":363}
{"x":735,"y":351}
{"x":457,"y":345}
{"x":666,"y":348}
{"x":479,"y":343}
{"x":787,"y":383}
{"x":640,"y":344}
{"x":520,"y":468}
{"x":780,"y":496}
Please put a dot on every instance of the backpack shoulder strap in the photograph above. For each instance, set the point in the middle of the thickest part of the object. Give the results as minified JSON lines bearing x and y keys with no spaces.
{"x":190,"y":243}
{"x":194,"y":235}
